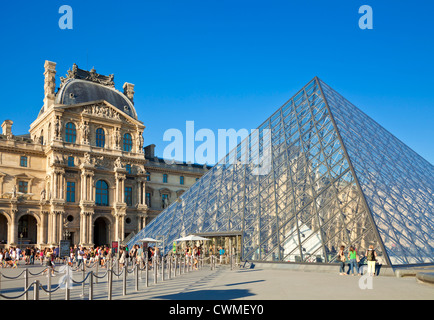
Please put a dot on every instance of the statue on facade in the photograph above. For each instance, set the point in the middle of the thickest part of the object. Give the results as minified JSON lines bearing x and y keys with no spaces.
{"x":87,"y":159}
{"x":43,"y":194}
{"x":139,"y":142}
{"x":57,"y":127}
{"x":165,"y":203}
{"x":85,"y":130}
{"x":118,"y":163}
{"x":117,"y":137}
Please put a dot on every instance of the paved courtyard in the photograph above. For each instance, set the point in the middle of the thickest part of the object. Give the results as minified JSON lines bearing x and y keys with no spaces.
{"x":225,"y":284}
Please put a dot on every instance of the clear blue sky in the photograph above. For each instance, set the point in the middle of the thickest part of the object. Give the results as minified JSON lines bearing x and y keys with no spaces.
{"x":228,"y":64}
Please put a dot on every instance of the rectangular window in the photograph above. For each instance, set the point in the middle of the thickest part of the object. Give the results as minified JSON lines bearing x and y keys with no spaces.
{"x":23,"y":186}
{"x":128,"y":168}
{"x":181,"y":180}
{"x":148,"y":199}
{"x":70,"y":191}
{"x":129,"y":196}
{"x":23,"y":161}
{"x":70,"y":161}
{"x":164,"y":178}
{"x":148,"y":176}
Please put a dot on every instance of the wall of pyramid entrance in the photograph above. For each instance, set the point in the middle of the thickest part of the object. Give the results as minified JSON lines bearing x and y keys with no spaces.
{"x":320,"y":190}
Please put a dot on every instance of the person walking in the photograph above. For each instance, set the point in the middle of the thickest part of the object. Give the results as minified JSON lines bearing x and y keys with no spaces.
{"x":371,"y":256}
{"x":194,"y":257}
{"x":32,"y":256}
{"x":49,"y":261}
{"x":354,"y":263}
{"x":80,"y":256}
{"x":221,"y":254}
{"x":341,"y":259}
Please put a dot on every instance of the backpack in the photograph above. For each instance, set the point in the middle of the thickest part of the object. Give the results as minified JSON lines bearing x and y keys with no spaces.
{"x":371,"y":255}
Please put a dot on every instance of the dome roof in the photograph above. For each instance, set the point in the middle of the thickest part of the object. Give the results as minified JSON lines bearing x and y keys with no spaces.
{"x":75,"y":91}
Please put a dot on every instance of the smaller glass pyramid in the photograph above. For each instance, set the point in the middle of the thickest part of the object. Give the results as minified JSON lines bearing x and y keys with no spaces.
{"x":317,"y":174}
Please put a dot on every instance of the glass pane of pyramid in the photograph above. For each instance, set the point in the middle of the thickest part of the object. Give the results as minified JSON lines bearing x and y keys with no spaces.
{"x":316,"y":175}
{"x":397,"y":183}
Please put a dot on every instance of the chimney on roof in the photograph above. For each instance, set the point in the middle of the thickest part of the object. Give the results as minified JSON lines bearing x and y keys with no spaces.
{"x":129,"y":91}
{"x":7,"y":128}
{"x":150,"y":151}
{"x":49,"y":83}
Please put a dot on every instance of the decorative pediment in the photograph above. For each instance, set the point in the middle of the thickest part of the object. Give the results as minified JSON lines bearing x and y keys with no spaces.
{"x":165,"y":191}
{"x":103,"y":109}
{"x":24,"y":176}
{"x":179,"y":192}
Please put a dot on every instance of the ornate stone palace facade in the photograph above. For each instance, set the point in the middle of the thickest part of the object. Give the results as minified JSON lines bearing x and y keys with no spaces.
{"x":83,"y":173}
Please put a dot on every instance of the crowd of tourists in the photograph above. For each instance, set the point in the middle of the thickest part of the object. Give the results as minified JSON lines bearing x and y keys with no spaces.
{"x":87,"y":256}
{"x":353,"y":258}
{"x":78,"y":255}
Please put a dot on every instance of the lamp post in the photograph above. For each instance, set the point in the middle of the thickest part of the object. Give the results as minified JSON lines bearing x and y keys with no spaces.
{"x":66,"y":234}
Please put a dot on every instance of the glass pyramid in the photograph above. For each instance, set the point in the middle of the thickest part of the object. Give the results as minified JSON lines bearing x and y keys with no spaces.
{"x":316,"y":175}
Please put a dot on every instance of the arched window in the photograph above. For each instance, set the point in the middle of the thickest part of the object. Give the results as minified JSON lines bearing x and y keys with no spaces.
{"x":128,"y":142}
{"x":102,"y":193}
{"x":70,"y":132}
{"x":100,"y":137}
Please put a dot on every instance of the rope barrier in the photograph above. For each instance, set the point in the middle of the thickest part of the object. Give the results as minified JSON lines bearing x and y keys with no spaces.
{"x":162,"y":268}
{"x":20,"y":295}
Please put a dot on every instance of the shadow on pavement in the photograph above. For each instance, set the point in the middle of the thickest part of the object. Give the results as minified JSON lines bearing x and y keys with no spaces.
{"x":239,"y":283}
{"x":208,"y":295}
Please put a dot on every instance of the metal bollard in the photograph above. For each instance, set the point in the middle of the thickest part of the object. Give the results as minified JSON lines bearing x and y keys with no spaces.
{"x":96,"y":271}
{"x":49,"y":284}
{"x":83,"y":276}
{"x":136,"y":271}
{"x":183,"y":265}
{"x":26,"y":283}
{"x":162,"y":269}
{"x":36,"y":290}
{"x":91,"y":286}
{"x":118,"y":264}
{"x":110,"y":284}
{"x":124,"y":286}
{"x":67,"y":291}
{"x":147,"y":274}
{"x":155,"y":269}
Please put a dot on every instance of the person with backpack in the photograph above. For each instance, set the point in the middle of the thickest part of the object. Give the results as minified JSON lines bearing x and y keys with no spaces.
{"x":371,"y":256}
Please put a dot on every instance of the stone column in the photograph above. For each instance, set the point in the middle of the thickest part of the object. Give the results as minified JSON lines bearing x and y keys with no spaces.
{"x":90,"y":231}
{"x":13,"y":228}
{"x":60,"y":216}
{"x":120,"y":188}
{"x":51,"y":227}
{"x":123,"y":189}
{"x":83,"y":227}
